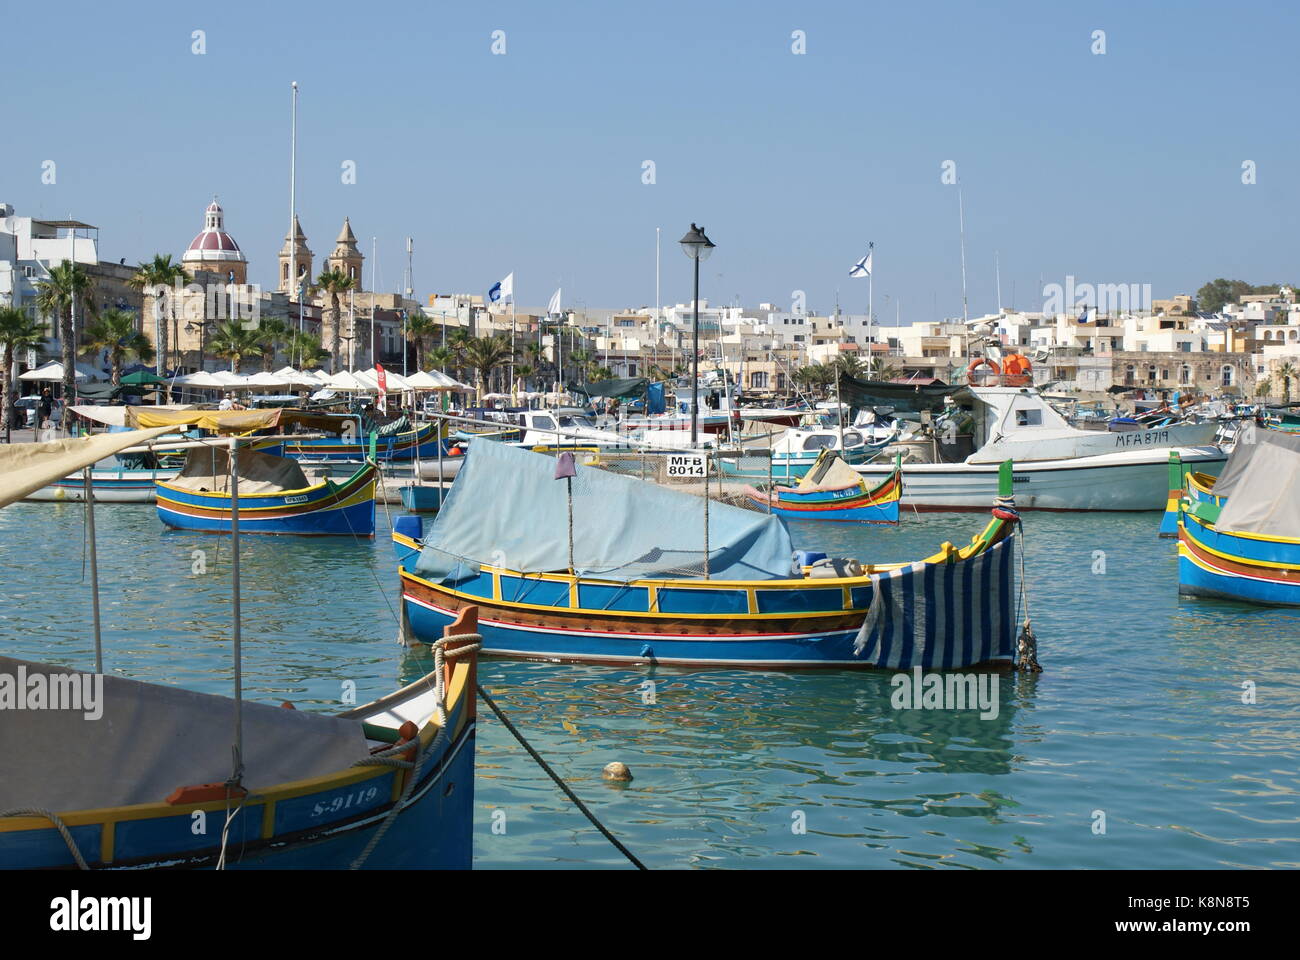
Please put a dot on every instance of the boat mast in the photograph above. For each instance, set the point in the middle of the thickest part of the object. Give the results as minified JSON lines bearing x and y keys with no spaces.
{"x":94,"y":565}
{"x":237,"y":768}
{"x":961,"y":220}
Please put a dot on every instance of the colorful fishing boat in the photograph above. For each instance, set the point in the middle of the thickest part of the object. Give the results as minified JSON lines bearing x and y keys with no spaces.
{"x":316,"y":792}
{"x":419,"y":442}
{"x":658,"y":576}
{"x":274,"y":494}
{"x":386,"y":785}
{"x":832,"y":490}
{"x":1186,"y":483}
{"x":1242,"y":541}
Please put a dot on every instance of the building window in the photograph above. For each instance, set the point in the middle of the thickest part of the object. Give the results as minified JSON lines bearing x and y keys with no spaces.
{"x":758,"y":380}
{"x":1227,"y":375}
{"x":1185,"y":374}
{"x":780,"y":382}
{"x":1130,"y":375}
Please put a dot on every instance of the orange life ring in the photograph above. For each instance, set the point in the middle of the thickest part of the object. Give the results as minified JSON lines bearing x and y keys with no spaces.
{"x":981,"y":362}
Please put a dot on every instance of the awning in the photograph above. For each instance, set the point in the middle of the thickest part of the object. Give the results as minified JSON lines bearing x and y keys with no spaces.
{"x":26,"y":467}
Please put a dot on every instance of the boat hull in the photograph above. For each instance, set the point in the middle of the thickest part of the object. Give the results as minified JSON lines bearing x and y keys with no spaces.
{"x":1213,"y":563}
{"x":110,"y":486}
{"x":422,"y":499}
{"x":1123,"y":482}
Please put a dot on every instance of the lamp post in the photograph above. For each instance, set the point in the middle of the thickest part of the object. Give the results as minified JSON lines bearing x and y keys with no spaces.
{"x":698,"y":247}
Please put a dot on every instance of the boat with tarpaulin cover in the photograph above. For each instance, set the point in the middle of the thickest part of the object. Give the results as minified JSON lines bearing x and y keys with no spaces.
{"x":659,"y":576}
{"x":120,"y":780}
{"x":275,"y":496}
{"x":1240,"y":540}
{"x":832,"y":490}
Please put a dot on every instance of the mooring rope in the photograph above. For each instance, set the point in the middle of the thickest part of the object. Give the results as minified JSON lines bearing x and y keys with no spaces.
{"x":59,"y":825}
{"x":1026,"y":642}
{"x":564,"y":787}
{"x":391,"y":757}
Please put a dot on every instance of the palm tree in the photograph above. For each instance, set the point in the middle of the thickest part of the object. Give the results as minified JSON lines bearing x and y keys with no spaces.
{"x":848,"y":364}
{"x":69,"y":284}
{"x":1264,"y":388}
{"x":485,"y":354}
{"x":335,"y":283}
{"x":116,"y":331}
{"x":440,"y":357}
{"x":17,"y":332}
{"x":420,"y":329}
{"x":1286,"y":372}
{"x":274,"y":333}
{"x":151,"y":278}
{"x":307,"y":347}
{"x":881,"y":369}
{"x":232,"y":341}
{"x":523,"y":372}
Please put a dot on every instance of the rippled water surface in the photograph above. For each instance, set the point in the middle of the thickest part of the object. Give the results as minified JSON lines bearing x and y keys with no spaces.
{"x":1138,"y":714}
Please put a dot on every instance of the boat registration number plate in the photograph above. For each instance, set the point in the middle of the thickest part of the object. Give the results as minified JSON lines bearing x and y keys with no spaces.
{"x":686,"y":465}
{"x":302,"y":499}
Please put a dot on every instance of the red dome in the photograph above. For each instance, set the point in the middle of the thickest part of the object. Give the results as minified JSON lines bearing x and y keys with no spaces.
{"x":213,"y":240}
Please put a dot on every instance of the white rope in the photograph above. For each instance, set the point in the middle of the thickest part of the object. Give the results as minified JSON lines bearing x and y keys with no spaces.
{"x":59,"y":825}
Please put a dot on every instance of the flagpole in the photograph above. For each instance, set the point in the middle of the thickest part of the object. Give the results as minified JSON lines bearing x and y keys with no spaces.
{"x":871,"y":293}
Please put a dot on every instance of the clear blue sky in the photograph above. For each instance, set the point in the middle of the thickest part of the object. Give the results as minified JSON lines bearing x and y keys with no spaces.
{"x":1122,"y":168}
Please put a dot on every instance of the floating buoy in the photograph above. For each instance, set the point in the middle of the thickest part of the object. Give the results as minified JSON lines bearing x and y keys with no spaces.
{"x":617,"y":772}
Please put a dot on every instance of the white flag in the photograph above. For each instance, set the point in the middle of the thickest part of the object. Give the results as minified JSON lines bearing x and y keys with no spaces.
{"x":508,"y":288}
{"x":863,"y":267}
{"x":554,"y":306}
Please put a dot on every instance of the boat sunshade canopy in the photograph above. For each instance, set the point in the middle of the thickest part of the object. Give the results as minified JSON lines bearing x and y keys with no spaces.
{"x":631,"y":388}
{"x":208,"y":468}
{"x":151,"y":739}
{"x":829,"y":472}
{"x":1262,"y":483}
{"x":903,"y":397}
{"x":229,"y":421}
{"x":507,"y":509}
{"x":26,"y":467}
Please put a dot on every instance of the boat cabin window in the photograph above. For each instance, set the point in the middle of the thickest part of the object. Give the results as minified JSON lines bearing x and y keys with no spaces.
{"x":819,"y":441}
{"x":1029,"y":418}
{"x":543,"y":423}
{"x":852,"y":438}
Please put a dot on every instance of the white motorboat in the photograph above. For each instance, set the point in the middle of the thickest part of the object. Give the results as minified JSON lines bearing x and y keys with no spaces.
{"x":1057,"y":467}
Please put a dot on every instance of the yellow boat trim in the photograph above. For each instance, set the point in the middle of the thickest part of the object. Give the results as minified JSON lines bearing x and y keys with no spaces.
{"x":1263,"y":538}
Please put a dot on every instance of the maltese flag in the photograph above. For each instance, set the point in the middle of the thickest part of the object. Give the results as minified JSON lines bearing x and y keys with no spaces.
{"x":863,"y":267}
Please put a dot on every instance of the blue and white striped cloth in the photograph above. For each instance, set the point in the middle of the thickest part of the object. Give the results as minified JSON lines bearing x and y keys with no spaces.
{"x":943,"y":616}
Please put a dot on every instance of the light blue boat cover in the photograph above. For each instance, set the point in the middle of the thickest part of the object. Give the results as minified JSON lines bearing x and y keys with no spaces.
{"x":507,"y":509}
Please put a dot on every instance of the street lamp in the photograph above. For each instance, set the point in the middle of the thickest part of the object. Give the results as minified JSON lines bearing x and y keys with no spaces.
{"x":698,"y":247}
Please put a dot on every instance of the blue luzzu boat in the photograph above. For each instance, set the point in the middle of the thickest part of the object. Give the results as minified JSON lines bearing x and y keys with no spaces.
{"x":275,"y":497}
{"x":1239,"y":537}
{"x":419,"y":442}
{"x":639,"y":585}
{"x":95,"y":774}
{"x":317,"y":790}
{"x":832,"y":490}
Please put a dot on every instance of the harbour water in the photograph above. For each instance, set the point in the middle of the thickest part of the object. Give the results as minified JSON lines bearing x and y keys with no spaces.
{"x":1137,"y":719}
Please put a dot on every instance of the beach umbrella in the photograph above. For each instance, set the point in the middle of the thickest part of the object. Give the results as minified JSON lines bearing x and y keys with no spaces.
{"x":53,"y":371}
{"x":142,"y":378}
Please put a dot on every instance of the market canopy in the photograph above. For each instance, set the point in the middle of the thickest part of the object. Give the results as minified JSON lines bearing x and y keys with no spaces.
{"x":435,"y":380}
{"x":142,"y":378}
{"x":116,"y":416}
{"x":53,"y":371}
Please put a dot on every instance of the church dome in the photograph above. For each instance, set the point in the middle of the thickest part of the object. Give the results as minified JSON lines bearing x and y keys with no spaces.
{"x":213,"y":244}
